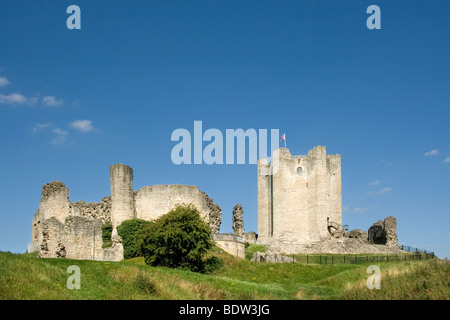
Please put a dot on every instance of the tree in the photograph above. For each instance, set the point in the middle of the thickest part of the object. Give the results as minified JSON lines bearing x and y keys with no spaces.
{"x":178,"y":239}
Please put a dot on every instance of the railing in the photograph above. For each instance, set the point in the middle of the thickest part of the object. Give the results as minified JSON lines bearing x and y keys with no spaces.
{"x":412,"y":249}
{"x":357,"y":258}
{"x":415,"y":254}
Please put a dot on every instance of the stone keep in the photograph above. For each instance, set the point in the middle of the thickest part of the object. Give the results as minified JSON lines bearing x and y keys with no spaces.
{"x":74,"y":230}
{"x":296,"y":195}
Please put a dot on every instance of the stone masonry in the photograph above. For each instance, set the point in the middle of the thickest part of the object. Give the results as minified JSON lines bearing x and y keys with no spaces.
{"x":238,"y":221}
{"x":300,"y":209}
{"x":380,"y":239}
{"x":384,"y":232}
{"x":297,"y":195}
{"x":74,"y":230}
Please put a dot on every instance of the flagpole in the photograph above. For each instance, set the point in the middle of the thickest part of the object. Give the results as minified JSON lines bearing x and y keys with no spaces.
{"x":284,"y":140}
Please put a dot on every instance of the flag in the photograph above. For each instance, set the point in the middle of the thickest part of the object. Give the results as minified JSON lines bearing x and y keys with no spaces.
{"x":283,"y":138}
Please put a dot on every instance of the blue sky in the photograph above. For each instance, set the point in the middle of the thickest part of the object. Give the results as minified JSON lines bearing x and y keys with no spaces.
{"x":73,"y":102}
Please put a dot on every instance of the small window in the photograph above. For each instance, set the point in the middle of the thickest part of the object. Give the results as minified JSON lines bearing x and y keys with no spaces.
{"x":299,"y":170}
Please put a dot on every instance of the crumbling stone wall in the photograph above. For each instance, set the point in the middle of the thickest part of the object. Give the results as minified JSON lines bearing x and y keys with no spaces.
{"x":153,"y":201}
{"x":96,"y":210}
{"x":357,"y":234}
{"x":376,"y":233}
{"x":251,"y":237}
{"x":390,"y":229}
{"x":384,"y":232}
{"x":238,"y":221}
{"x":214,"y":213}
{"x":381,"y":238}
{"x":55,"y":206}
{"x":69,"y":230}
{"x":76,"y":238}
{"x":54,"y":201}
{"x":64,"y":229}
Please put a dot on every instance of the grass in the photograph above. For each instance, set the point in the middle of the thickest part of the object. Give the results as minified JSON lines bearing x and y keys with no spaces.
{"x":253,"y":248}
{"x":419,"y":280}
{"x":24,"y":276}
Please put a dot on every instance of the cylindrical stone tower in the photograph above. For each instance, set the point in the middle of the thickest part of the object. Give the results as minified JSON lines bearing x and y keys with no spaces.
{"x":122,"y":208}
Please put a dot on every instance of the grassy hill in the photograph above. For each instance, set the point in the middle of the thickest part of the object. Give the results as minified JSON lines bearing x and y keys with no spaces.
{"x":24,"y":276}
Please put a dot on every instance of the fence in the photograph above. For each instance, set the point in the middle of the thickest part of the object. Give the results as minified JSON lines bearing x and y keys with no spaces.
{"x":412,"y":249}
{"x":416,"y":254}
{"x":353,"y":259}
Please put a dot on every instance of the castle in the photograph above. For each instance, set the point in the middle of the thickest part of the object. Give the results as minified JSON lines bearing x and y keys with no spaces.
{"x":298,"y":196}
{"x":299,"y":211}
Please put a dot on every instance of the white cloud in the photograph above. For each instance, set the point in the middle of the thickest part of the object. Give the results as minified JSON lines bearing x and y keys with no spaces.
{"x":51,"y":101}
{"x":60,"y":136}
{"x":357,"y":209}
{"x":447,"y":159}
{"x":16,"y":98}
{"x":82,"y":125}
{"x":4,"y":81}
{"x":40,"y":127}
{"x":433,"y":152}
{"x":384,"y":190}
{"x":381,"y":191}
{"x":375,"y":183}
{"x":12,"y":98}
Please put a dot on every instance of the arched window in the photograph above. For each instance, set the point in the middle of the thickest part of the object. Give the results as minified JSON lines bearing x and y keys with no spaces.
{"x":299,"y":170}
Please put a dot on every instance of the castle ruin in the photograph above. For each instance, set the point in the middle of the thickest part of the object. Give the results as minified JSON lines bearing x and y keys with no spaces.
{"x":299,"y":211}
{"x":74,"y":230}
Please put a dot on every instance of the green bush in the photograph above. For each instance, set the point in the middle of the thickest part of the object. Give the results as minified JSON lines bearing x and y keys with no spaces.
{"x":178,"y":239}
{"x":106,"y":234}
{"x":127,"y":231}
{"x":213,"y":263}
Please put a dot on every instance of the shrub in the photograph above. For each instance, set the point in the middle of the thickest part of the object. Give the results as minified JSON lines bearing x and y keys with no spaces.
{"x":106,"y":234}
{"x":127,"y":231}
{"x":213,"y":263}
{"x":178,"y":239}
